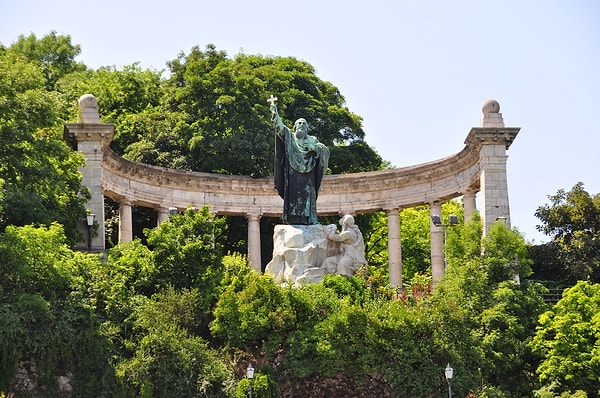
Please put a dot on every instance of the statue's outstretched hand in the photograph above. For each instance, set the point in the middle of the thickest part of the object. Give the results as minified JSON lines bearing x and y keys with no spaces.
{"x":273,"y":107}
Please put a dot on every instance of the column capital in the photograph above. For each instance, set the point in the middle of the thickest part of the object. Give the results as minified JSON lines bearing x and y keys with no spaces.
{"x":392,"y":210}
{"x":479,"y":136}
{"x":82,"y":137}
{"x":253,"y":216}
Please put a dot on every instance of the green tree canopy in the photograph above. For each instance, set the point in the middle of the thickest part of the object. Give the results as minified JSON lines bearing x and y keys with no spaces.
{"x":214,"y":116}
{"x":482,"y":278}
{"x":55,"y":54}
{"x":572,"y":220}
{"x":169,"y":358}
{"x":39,"y":174}
{"x":568,"y":339}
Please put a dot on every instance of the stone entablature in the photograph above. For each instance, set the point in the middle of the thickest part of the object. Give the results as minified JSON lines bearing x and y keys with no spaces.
{"x":160,"y":187}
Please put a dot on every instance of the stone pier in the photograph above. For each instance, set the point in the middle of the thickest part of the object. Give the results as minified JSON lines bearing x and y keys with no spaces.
{"x":91,"y":138}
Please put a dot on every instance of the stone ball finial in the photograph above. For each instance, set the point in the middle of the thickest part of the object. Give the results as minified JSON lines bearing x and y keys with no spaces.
{"x":491,"y":106}
{"x":88,"y":109}
{"x":88,"y":101}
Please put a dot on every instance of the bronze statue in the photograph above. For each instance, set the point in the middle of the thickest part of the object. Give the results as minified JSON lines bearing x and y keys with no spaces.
{"x":300,"y":164}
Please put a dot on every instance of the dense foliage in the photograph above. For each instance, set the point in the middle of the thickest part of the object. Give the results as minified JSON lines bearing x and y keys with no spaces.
{"x":172,"y":313}
{"x":572,"y":220}
{"x":141,"y":322}
{"x":39,"y":178}
{"x":568,"y":338}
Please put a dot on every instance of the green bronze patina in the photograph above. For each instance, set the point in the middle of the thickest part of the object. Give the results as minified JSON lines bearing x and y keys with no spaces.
{"x":300,"y":164}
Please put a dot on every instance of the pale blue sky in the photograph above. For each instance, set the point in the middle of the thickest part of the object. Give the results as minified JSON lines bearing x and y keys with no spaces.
{"x":417,"y":72}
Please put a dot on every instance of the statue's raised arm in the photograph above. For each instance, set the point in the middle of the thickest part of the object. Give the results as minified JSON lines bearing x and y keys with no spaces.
{"x":278,"y":123}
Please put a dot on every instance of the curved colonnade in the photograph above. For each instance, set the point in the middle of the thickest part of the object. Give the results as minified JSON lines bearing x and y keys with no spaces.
{"x":479,"y":167}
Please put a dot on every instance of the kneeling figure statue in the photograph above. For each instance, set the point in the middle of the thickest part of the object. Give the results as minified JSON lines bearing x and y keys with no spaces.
{"x":352,"y":248}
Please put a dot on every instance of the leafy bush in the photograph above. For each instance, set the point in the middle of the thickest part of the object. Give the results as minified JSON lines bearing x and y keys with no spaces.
{"x":263,"y":386}
{"x":256,"y":317}
{"x":568,"y":339}
{"x":170,"y":362}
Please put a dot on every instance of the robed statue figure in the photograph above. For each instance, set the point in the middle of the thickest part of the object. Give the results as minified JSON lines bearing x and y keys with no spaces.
{"x":300,"y":164}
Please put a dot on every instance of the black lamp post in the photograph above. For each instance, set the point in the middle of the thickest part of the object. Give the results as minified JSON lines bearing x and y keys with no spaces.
{"x":90,"y":224}
{"x":449,"y":373}
{"x":250,"y":376}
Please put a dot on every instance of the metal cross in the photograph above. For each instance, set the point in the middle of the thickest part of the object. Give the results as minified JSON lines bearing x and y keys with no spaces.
{"x":272,"y":100}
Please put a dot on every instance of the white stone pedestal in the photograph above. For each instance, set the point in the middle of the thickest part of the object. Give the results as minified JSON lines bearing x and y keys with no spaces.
{"x":299,"y":252}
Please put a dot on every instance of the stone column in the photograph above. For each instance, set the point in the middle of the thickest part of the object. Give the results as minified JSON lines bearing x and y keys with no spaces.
{"x":254,"y":254}
{"x":163,"y":215}
{"x":470,"y":204}
{"x":125,"y":222}
{"x":90,"y":137}
{"x":394,"y":248}
{"x":437,"y":244}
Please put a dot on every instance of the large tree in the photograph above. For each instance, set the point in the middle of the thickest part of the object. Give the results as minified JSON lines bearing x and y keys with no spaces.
{"x":568,"y":339}
{"x":572,"y":220}
{"x":54,"y":53}
{"x":39,"y":178}
{"x":219,"y":119}
{"x":482,"y":279}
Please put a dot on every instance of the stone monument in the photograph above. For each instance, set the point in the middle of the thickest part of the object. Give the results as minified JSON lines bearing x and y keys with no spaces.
{"x":303,"y":250}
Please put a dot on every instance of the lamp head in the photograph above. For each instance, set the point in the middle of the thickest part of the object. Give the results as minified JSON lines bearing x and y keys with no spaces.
{"x":250,"y":372}
{"x":449,"y":372}
{"x":436,"y":220}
